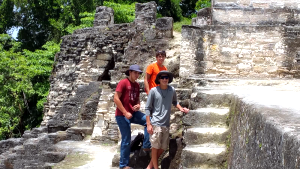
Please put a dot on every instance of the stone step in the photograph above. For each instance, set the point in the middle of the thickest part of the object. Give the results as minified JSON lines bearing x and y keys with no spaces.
{"x":195,"y":136}
{"x":58,"y":136}
{"x":202,"y":80}
{"x":33,"y":145}
{"x":52,"y":157}
{"x":201,"y":98}
{"x":206,"y":117}
{"x":183,"y":93}
{"x":101,"y":111}
{"x":80,"y":130}
{"x":78,"y":133}
{"x":34,"y":133}
{"x":85,"y":123}
{"x":10,"y":143}
{"x":204,"y":156}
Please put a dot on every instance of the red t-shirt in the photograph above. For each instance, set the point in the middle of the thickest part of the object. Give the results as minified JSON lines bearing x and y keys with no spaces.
{"x":130,"y":95}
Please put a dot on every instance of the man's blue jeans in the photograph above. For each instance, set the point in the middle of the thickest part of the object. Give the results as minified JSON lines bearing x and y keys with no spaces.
{"x":125,"y":129}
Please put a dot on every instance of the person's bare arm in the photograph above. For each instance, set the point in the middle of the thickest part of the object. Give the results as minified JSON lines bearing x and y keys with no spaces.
{"x":146,"y":83}
{"x":149,"y":125}
{"x":184,"y":110}
{"x":175,"y":103}
{"x":148,"y":110}
{"x":120,"y":105}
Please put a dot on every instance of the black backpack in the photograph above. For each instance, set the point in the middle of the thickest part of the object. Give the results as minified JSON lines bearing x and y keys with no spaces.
{"x":136,"y":142}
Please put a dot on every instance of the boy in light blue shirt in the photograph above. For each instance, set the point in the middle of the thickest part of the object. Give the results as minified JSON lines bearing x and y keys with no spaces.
{"x":160,"y":100}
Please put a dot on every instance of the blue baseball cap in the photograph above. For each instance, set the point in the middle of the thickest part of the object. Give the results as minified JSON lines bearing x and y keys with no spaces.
{"x":133,"y":68}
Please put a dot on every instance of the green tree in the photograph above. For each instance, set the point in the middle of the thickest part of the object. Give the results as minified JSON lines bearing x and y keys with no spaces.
{"x":6,"y":15}
{"x":24,"y":85}
{"x":169,"y":8}
{"x":46,"y":20}
{"x":203,"y":4}
{"x":123,"y":13}
{"x":188,"y":7}
{"x":86,"y":20}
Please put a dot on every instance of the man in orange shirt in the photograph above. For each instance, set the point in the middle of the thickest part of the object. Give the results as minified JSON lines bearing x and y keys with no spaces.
{"x":153,"y":69}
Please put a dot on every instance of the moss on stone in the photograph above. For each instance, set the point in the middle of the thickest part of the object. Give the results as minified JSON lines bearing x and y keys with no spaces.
{"x":73,"y":160}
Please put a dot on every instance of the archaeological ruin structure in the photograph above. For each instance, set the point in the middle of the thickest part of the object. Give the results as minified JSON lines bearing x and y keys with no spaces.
{"x":237,"y":71}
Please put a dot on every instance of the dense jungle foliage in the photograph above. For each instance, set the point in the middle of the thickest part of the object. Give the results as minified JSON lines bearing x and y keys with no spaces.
{"x":27,"y":59}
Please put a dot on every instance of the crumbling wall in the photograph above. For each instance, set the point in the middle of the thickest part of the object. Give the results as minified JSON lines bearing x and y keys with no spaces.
{"x":85,"y":56}
{"x":258,"y":3}
{"x":86,"y":71}
{"x":253,"y":12}
{"x":263,"y":136}
{"x":90,"y":63}
{"x":236,"y":40}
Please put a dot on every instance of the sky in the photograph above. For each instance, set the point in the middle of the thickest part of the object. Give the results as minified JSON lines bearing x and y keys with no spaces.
{"x":14,"y":32}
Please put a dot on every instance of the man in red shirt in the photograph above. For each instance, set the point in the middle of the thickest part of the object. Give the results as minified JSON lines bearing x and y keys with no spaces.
{"x":153,"y":69}
{"x":127,"y":100}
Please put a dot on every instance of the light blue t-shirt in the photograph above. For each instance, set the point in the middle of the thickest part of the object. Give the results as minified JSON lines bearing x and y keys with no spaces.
{"x":159,"y":104}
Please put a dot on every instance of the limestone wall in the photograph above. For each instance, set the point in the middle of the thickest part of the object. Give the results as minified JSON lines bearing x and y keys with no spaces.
{"x":256,"y":12}
{"x":252,"y":39}
{"x":243,"y":39}
{"x":263,"y":136}
{"x":258,"y":3}
{"x":240,"y":51}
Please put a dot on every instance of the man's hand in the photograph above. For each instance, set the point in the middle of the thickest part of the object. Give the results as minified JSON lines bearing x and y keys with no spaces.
{"x":136,"y":107}
{"x":128,"y":115}
{"x":184,"y":110}
{"x":149,"y":129}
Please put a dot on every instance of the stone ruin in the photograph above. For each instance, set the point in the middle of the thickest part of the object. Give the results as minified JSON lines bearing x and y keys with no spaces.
{"x":243,"y":39}
{"x":226,"y":45}
{"x":92,"y":61}
{"x":242,"y":55}
{"x":87,"y":69}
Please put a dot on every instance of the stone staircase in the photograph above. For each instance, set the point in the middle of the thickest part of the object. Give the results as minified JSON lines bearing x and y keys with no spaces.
{"x":206,"y":130}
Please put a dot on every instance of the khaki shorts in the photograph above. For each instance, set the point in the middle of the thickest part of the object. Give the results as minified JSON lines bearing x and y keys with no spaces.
{"x":160,"y":137}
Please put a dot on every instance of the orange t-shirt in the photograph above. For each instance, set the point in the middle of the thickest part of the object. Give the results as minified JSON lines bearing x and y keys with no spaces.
{"x":153,"y":69}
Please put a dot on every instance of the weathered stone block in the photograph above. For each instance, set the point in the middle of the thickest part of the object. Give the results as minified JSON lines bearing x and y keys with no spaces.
{"x":104,"y":56}
{"x":104,"y":16}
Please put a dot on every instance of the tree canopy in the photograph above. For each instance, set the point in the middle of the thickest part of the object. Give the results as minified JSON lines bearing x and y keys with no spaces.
{"x":24,"y":85}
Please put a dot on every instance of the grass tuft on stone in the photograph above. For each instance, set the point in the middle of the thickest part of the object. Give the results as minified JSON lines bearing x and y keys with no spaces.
{"x":177,"y":25}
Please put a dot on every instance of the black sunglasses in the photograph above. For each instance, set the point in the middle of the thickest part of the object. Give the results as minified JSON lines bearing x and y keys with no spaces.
{"x":164,"y":77}
{"x":161,"y":53}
